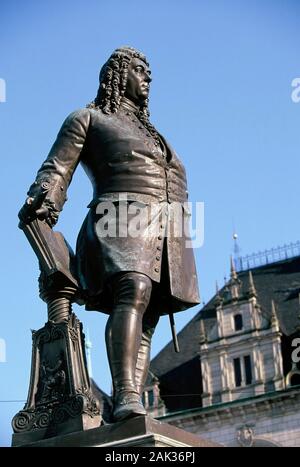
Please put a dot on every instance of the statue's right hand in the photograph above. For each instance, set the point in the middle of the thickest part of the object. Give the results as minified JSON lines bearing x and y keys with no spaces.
{"x":30,"y":211}
{"x":40,"y":206}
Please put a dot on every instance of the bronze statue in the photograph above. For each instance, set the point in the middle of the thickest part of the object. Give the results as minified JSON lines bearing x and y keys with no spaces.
{"x":136,"y":278}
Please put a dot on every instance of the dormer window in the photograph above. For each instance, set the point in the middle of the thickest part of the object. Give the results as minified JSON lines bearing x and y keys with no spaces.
{"x":242,"y":371}
{"x":238,"y":322}
{"x":151,"y":398}
{"x":148,"y":399}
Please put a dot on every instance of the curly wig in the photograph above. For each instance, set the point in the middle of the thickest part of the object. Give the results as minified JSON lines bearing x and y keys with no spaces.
{"x":113,"y":80}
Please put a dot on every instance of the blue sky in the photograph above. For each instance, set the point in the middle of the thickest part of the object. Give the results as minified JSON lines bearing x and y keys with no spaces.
{"x":221,"y":94}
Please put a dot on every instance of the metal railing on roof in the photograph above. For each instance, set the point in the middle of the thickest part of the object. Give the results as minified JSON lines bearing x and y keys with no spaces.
{"x":262,"y":258}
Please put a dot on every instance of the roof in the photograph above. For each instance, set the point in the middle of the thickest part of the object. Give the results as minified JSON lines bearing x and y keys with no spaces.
{"x":105,"y":402}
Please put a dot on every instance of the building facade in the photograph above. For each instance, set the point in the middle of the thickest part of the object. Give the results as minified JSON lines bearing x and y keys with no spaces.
{"x":236,"y":379}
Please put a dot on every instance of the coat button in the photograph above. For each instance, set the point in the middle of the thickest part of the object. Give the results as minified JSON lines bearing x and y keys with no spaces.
{"x":159,"y":248}
{"x":159,"y":237}
{"x":156,"y":269}
{"x":158,"y":258}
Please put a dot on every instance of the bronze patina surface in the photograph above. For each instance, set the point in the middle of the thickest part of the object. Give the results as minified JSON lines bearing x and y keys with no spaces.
{"x":133,"y":170}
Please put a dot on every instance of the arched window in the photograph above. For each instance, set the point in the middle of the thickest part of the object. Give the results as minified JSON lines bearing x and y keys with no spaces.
{"x":238,"y":322}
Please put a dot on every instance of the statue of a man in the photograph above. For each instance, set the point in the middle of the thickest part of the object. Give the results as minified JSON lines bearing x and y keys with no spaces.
{"x":133,"y":278}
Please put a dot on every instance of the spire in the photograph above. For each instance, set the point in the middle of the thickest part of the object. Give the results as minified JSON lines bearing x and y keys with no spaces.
{"x":233,"y":273}
{"x":236,"y":250}
{"x":218,"y":296}
{"x":252,"y":289}
{"x":234,"y":284}
{"x":202,"y":337}
{"x":274,"y":318}
{"x":88,"y":347}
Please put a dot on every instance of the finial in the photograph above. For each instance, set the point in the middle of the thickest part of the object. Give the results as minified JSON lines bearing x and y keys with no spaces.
{"x":234,"y":283}
{"x":218,"y":296}
{"x":233,"y":273}
{"x":274,"y":318}
{"x":236,"y":250}
{"x":202,"y":332}
{"x":252,"y":290}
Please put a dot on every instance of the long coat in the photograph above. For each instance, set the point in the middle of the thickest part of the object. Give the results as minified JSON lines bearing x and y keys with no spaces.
{"x":122,"y":158}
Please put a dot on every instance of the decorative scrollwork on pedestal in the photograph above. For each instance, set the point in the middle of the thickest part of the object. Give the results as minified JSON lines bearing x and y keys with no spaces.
{"x":43,"y":420}
{"x":23,"y":421}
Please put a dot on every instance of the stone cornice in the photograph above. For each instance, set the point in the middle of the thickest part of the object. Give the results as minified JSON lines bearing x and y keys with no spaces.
{"x":240,"y":407}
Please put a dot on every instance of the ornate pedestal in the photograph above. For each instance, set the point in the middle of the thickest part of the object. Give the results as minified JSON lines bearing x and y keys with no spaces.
{"x":60,"y":399}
